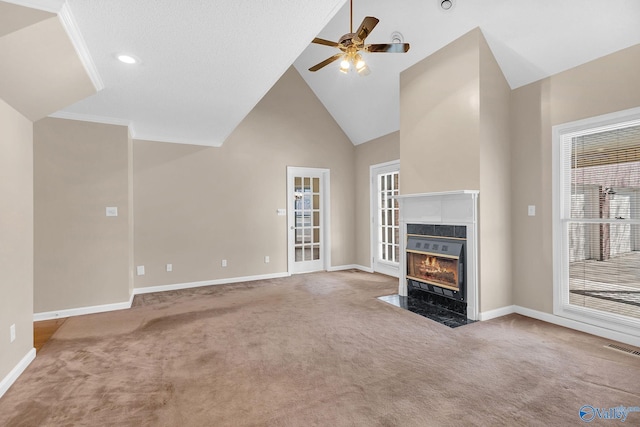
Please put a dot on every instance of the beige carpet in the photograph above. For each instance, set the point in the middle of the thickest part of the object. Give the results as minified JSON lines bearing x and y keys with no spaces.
{"x":312,"y":350}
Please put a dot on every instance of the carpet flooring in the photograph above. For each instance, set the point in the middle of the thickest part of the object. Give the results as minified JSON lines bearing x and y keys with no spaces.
{"x":313,"y":350}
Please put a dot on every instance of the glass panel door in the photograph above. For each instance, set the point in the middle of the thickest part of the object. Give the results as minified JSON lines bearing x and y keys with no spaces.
{"x":385,"y":232}
{"x":306,"y":243}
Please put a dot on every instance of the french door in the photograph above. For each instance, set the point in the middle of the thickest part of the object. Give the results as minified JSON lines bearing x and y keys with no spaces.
{"x":385,"y":230}
{"x":307,"y":208}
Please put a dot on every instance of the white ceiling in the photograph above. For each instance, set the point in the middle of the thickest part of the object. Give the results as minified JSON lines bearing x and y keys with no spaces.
{"x":206,"y":64}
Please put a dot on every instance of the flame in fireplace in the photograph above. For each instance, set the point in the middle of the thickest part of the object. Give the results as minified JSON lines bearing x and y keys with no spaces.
{"x":434,"y":269}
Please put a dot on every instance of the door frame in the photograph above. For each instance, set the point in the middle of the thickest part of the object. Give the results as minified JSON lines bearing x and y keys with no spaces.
{"x":381,"y":266}
{"x":325,"y":217}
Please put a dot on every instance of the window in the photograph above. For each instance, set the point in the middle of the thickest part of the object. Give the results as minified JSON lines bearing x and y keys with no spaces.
{"x":597,"y":221}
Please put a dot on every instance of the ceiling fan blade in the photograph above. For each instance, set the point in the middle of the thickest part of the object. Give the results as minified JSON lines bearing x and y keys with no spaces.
{"x":368,"y":24}
{"x":324,"y":42}
{"x":326,"y":62}
{"x":388,"y":47}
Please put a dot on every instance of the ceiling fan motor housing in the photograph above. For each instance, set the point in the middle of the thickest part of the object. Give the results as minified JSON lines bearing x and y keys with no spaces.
{"x":347,"y":40}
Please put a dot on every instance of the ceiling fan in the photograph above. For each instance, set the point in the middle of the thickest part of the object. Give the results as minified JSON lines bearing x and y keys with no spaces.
{"x":352,"y":44}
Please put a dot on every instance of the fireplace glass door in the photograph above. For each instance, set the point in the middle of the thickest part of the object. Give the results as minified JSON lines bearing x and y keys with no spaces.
{"x":436,"y":270}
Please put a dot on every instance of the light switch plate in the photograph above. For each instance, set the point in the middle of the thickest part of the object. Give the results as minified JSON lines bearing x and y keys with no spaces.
{"x":112,"y":211}
{"x":531,"y":210}
{"x":140,"y":270}
{"x":169,"y":267}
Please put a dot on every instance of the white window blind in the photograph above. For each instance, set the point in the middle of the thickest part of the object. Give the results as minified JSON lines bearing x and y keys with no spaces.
{"x":601,"y":213}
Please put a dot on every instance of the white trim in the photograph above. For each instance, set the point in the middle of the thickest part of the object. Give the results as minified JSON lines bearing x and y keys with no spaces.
{"x":498,"y":312}
{"x":326,"y":212}
{"x":13,"y":375}
{"x":48,"y":315}
{"x":178,"y":286}
{"x":600,"y":320}
{"x":562,"y":321}
{"x":440,"y":193}
{"x":350,"y":267}
{"x":69,"y":24}
{"x":579,"y":326}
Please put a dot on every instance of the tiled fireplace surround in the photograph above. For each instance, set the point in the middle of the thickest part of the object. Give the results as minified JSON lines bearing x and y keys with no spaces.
{"x":445,"y":208}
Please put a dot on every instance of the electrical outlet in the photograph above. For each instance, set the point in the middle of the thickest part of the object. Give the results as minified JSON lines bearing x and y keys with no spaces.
{"x":224,"y":262}
{"x":266,"y":259}
{"x":12,"y":332}
{"x":140,"y":270}
{"x":169,"y":267}
{"x":531,"y":210}
{"x":112,"y":211}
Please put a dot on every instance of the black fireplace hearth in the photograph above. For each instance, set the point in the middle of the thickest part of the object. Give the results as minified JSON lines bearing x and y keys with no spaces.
{"x":433,"y":307}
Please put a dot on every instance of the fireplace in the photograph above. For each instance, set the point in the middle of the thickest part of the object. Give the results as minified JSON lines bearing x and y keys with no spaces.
{"x":436,"y":263}
{"x":447,"y":219}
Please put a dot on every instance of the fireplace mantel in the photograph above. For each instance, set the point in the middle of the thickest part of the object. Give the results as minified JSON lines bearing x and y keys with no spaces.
{"x":447,"y":208}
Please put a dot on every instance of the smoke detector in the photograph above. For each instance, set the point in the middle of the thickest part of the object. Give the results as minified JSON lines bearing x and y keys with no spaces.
{"x":446,"y":4}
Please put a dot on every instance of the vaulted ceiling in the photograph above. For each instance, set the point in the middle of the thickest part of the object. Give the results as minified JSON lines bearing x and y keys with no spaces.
{"x":204,"y":65}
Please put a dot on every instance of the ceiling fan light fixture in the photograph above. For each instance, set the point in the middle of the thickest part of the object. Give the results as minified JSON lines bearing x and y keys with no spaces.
{"x":364,"y":70}
{"x":352,"y":43}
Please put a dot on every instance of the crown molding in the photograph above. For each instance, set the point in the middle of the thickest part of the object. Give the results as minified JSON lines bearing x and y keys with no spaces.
{"x":61,"y":8}
{"x":69,"y":24}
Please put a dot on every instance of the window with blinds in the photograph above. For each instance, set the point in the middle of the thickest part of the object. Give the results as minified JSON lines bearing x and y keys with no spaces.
{"x":600,"y":215}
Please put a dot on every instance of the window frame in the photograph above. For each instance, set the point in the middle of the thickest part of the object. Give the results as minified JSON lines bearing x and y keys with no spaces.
{"x":560,"y":222}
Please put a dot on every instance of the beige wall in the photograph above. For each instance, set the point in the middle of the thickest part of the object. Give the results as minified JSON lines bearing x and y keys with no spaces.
{"x":495,"y":184}
{"x":439,"y":120}
{"x":41,"y":71}
{"x":602,"y":86}
{"x":81,"y":255}
{"x":195,"y":206}
{"x":379,"y":150}
{"x":16,"y":236}
{"x":454,"y":135}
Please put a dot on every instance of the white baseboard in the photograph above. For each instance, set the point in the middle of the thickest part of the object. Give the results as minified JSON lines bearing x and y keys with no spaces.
{"x":579,"y":326}
{"x":13,"y":375}
{"x":177,"y":286}
{"x":48,"y":315}
{"x":350,"y":267}
{"x":562,"y":321}
{"x":498,"y":312}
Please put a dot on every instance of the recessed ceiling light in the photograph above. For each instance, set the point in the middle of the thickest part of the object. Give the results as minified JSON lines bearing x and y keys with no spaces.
{"x":446,"y":4}
{"x":128,"y":59}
